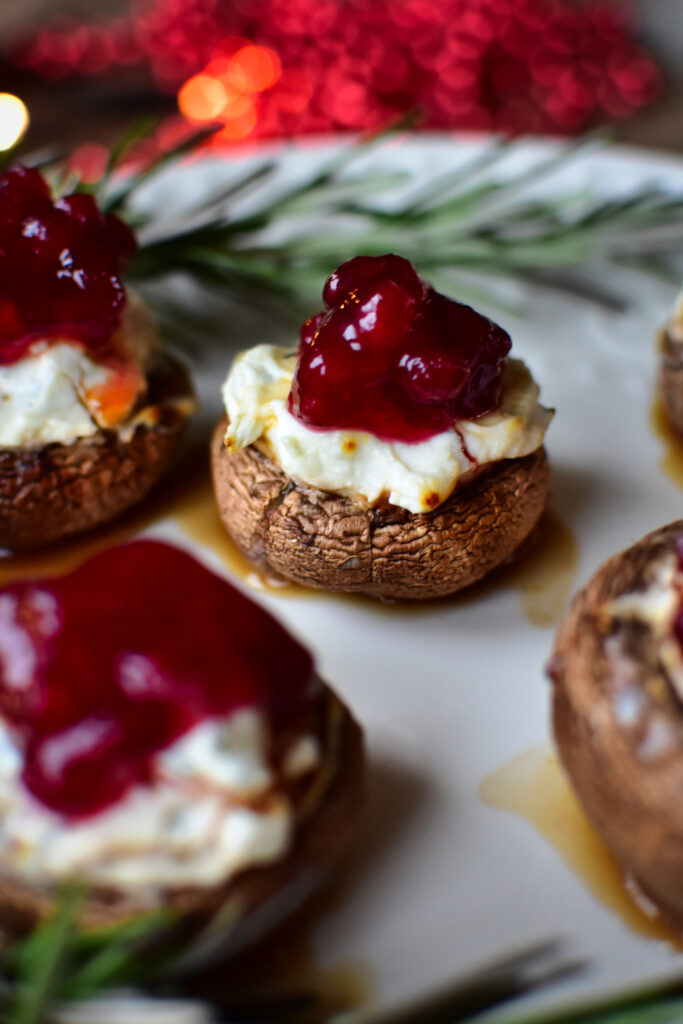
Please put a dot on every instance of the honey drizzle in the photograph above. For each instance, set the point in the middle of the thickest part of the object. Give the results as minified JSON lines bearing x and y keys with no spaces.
{"x":199,"y":519}
{"x":544,"y":571}
{"x":671,"y":461}
{"x":185,"y":495}
{"x":533,"y":785}
{"x":171,"y":494}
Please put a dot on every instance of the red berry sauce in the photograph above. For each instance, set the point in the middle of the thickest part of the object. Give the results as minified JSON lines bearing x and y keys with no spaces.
{"x":393,"y":357}
{"x":60,"y":266}
{"x":103,"y":668}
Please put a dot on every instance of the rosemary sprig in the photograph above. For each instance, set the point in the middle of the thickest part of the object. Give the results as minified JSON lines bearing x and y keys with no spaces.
{"x":475,"y":220}
{"x":33,"y":967}
{"x":257,"y":239}
{"x":59,"y":962}
{"x":657,"y":1004}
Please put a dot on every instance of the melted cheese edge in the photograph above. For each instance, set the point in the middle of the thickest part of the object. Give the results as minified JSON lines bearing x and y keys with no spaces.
{"x":358,"y":465}
{"x":58,"y":393}
{"x":213,"y":809}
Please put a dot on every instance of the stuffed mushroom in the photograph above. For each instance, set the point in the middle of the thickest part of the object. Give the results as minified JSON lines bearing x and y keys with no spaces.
{"x":671,"y":367}
{"x":617,"y":676}
{"x":163,"y":751}
{"x":91,"y":408}
{"x":399,"y":453}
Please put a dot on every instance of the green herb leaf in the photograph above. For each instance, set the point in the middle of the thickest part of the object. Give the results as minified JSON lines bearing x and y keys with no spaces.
{"x":37,"y":963}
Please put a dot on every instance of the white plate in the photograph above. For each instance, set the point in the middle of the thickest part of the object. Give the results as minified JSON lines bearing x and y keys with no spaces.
{"x":451,"y":692}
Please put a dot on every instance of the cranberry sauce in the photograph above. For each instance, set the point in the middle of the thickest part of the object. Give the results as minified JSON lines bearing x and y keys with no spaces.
{"x":393,"y":357}
{"x":103,"y":668}
{"x":60,"y":266}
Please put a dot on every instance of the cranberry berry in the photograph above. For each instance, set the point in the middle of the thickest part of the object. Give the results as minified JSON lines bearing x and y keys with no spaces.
{"x":60,"y":266}
{"x":369,"y":270}
{"x":393,"y":357}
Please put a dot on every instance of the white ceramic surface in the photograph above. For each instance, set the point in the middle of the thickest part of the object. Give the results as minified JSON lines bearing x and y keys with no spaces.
{"x":450,"y":693}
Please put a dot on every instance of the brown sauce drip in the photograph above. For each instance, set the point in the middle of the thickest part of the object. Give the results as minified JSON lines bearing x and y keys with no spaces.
{"x":543,"y":572}
{"x":185,"y":495}
{"x":533,"y":785}
{"x":172,"y":493}
{"x":198,"y":517}
{"x":671,"y":461}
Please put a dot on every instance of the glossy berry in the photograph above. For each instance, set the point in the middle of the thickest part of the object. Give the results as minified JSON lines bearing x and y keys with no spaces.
{"x":454,"y":356}
{"x":60,"y":266}
{"x":101,"y":669}
{"x":368,"y":270}
{"x":393,"y":357}
{"x":309,"y":329}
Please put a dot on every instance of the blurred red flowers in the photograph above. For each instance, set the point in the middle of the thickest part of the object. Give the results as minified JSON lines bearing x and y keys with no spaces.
{"x":286,"y":67}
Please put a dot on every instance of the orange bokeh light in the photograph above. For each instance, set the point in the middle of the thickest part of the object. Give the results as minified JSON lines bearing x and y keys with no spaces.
{"x":237,"y":104}
{"x":226,"y":89}
{"x":202,"y":98}
{"x":254,"y":69}
{"x":239,"y":126}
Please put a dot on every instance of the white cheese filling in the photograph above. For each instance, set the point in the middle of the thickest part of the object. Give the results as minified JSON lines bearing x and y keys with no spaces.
{"x":42,"y":396}
{"x":359,"y":465}
{"x":657,"y":606}
{"x":213,"y":810}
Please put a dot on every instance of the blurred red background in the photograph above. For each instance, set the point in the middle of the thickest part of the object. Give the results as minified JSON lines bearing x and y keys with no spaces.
{"x":273,"y":68}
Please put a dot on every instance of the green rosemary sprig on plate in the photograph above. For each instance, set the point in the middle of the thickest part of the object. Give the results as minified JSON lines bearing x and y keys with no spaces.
{"x":46,"y":976}
{"x":469,"y":225}
{"x":256,"y":239}
{"x":59,"y":973}
{"x":656,"y":1004}
{"x":59,"y":962}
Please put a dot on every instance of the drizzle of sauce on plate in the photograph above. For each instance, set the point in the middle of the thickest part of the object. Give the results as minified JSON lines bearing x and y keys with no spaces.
{"x":543,"y":572}
{"x":185,"y":495}
{"x":533,"y":785}
{"x":171,"y":495}
{"x":198,"y":517}
{"x":671,"y":461}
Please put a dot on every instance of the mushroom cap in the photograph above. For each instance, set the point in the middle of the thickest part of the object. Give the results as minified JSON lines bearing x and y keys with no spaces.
{"x":671,"y":378}
{"x":334,"y":543}
{"x":323,"y":832}
{"x":632,"y":797}
{"x":51,"y":491}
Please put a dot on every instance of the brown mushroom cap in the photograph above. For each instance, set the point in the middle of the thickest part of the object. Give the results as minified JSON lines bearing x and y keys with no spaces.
{"x":50,"y":491}
{"x":633,"y":797}
{"x":322,"y":834}
{"x":328,"y":541}
{"x":671,"y":378}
